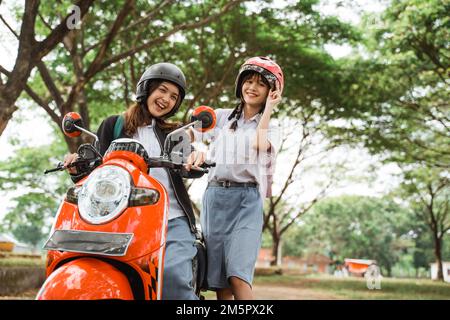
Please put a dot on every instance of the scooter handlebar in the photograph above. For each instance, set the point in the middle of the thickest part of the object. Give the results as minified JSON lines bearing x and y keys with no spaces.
{"x":59,"y":167}
{"x":208,"y":164}
{"x":78,"y":164}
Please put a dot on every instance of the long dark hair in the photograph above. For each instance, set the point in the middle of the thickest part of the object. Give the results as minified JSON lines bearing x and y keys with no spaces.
{"x":237,"y":112}
{"x":137,"y":114}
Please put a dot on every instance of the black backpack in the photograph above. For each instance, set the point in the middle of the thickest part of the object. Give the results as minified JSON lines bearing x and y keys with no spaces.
{"x":118,"y":127}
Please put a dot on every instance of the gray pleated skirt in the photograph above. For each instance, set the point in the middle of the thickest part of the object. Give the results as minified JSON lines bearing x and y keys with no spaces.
{"x":180,"y":251}
{"x":231,"y":220}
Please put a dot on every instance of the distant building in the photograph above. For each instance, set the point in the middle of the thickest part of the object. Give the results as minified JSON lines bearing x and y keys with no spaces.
{"x":264,"y":258}
{"x":9,"y":244}
{"x":313,"y":263}
{"x":445,"y":271}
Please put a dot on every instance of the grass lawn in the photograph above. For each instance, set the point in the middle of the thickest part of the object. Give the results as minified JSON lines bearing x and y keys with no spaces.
{"x":21,"y":262}
{"x":319,"y":287}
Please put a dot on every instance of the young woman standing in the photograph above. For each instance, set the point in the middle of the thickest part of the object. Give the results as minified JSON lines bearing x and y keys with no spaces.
{"x":244,"y":148}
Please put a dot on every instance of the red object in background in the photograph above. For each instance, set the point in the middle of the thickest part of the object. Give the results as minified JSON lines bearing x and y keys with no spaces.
{"x":358,"y":266}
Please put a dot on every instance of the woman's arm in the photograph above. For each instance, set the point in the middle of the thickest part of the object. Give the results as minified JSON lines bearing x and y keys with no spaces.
{"x":261,"y":142}
{"x":105,"y":135}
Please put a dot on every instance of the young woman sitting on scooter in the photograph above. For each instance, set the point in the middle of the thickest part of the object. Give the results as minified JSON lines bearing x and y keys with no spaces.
{"x":243,"y":148}
{"x":160,"y":92}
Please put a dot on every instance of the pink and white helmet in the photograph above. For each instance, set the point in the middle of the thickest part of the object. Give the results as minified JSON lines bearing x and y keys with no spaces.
{"x":265,"y":66}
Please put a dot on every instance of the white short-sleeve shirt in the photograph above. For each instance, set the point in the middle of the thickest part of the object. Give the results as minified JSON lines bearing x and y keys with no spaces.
{"x":236,"y":160}
{"x":147,"y":137}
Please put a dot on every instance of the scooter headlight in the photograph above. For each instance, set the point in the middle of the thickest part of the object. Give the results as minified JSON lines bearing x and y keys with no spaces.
{"x":104,"y":195}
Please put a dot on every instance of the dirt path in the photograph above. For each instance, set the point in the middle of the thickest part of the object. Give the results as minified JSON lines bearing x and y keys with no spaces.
{"x":27,"y":295}
{"x":261,"y":291}
{"x":280,"y":292}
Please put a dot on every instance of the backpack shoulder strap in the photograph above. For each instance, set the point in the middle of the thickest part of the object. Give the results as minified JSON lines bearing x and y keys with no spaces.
{"x":118,"y":127}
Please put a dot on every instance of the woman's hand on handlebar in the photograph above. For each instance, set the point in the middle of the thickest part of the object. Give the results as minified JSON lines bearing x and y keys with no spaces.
{"x":195,"y":160}
{"x":69,"y":159}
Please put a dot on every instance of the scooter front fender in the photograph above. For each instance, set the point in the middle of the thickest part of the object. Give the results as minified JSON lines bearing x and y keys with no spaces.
{"x":86,"y":279}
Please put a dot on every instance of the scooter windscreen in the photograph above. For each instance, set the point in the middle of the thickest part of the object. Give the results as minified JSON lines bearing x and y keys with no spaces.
{"x":126,"y":144}
{"x":104,"y":243}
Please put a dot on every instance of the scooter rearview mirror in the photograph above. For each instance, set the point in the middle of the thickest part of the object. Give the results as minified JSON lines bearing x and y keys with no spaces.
{"x":69,"y":123}
{"x":206,"y":115}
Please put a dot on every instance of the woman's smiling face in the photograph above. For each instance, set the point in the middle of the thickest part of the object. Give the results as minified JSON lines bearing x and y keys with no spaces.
{"x":255,"y":90}
{"x":163,"y":99}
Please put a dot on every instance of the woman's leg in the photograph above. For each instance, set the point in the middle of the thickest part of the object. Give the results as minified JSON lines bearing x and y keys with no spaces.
{"x":244,"y":245}
{"x":241,"y":289}
{"x":219,"y":205}
{"x":224,"y":294}
{"x":180,"y":250}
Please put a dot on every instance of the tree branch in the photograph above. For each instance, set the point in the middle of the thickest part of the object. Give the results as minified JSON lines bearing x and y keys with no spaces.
{"x":9,"y":27}
{"x":184,"y":26}
{"x":56,"y":36}
{"x":45,"y":22}
{"x":33,"y":95}
{"x":427,"y":111}
{"x":50,"y":84}
{"x":148,"y":17}
{"x":312,"y":203}
{"x":291,"y":173}
{"x":36,"y":98}
{"x":92,"y":70}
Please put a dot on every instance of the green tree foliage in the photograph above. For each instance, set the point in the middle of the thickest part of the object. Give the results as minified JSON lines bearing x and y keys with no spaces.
{"x":395,"y":97}
{"x":95,"y":69}
{"x":428,"y":193}
{"x":32,"y":47}
{"x":423,"y":253}
{"x":353,"y":227}
{"x":36,"y":196}
{"x":109,"y":34}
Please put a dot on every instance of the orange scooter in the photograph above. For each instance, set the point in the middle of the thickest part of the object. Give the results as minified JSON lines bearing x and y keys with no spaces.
{"x":108,"y":239}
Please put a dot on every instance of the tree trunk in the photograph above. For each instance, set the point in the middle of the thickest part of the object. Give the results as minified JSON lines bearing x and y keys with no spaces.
{"x":30,"y":52}
{"x":389,"y":270}
{"x":10,"y":92}
{"x":438,"y":254}
{"x":5,"y":113}
{"x":276,"y":250}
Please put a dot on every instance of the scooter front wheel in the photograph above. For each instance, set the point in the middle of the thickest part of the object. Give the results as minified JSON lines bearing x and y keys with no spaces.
{"x":86,"y":279}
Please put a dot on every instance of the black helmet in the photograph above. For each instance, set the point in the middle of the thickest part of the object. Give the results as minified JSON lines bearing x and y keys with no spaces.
{"x":161,"y":71}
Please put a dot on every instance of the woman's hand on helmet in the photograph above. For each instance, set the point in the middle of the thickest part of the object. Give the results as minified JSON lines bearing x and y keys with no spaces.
{"x":68,"y":159}
{"x":195,"y":159}
{"x":274,"y":97}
